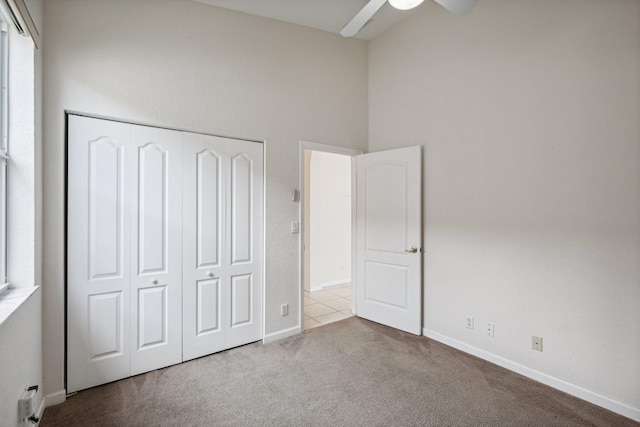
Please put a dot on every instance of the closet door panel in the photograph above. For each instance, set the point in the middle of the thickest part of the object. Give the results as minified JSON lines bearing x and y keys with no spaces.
{"x":241,"y":181}
{"x":245,"y":207}
{"x":205,"y":282}
{"x":98,"y":252}
{"x":156,"y":282}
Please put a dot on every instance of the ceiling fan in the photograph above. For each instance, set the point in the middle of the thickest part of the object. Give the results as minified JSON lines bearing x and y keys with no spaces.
{"x":457,"y":7}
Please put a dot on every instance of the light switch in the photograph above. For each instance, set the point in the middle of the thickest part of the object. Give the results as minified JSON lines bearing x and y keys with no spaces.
{"x":295,"y":227}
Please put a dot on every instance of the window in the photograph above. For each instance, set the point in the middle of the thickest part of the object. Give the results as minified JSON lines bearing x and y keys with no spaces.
{"x":4,"y":155}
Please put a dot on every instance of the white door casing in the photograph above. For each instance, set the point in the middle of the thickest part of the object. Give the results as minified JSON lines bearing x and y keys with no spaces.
{"x":222,"y":272}
{"x":156,"y":248}
{"x":98,"y":264}
{"x":389,"y":229}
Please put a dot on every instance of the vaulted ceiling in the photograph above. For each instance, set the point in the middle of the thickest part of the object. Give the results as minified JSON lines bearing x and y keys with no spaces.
{"x":326,"y":15}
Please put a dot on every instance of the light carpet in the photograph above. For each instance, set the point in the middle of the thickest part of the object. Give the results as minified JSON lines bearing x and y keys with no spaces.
{"x":349,"y":373}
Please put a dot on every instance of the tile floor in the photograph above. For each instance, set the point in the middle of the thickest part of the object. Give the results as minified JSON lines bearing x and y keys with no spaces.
{"x":328,"y":305}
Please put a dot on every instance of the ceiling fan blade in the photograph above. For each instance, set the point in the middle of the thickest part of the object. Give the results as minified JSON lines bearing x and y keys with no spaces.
{"x":457,"y":7}
{"x":361,"y":19}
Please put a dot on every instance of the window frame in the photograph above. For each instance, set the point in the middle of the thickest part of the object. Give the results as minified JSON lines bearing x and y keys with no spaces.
{"x":4,"y":151}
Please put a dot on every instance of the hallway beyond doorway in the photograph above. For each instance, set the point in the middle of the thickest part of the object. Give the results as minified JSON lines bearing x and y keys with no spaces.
{"x":328,"y":305}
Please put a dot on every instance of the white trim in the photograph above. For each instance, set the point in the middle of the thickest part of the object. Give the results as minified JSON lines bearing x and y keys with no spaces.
{"x":285,"y":333}
{"x":55,"y":398}
{"x":331,"y":283}
{"x":572,"y":389}
{"x":12,"y":299}
{"x":306,"y":145}
{"x":40,"y":410}
{"x":264,"y":239}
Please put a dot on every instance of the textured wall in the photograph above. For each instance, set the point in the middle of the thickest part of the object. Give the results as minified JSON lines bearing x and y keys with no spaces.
{"x":191,"y":66}
{"x":528,"y":113}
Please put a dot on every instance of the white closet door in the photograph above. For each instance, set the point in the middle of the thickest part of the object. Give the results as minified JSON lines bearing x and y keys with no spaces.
{"x":156,"y":248}
{"x":222,"y":266}
{"x":204,"y":271}
{"x":98,"y":260}
{"x":164,"y":252}
{"x":244,"y":244}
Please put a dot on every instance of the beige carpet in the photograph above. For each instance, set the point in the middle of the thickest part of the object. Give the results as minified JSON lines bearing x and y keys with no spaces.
{"x":348,"y":373}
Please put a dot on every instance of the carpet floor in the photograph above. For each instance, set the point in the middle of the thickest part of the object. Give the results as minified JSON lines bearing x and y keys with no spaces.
{"x":349,"y":373}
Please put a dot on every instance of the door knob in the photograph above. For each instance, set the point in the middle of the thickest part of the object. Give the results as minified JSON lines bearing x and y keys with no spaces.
{"x":210,"y":274}
{"x":413,"y":250}
{"x":154,"y":281}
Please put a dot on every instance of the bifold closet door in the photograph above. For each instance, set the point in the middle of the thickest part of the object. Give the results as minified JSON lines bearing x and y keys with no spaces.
{"x":222,"y":241}
{"x":124,"y":264}
{"x":156,"y":247}
{"x":164,"y":248}
{"x":98,"y":252}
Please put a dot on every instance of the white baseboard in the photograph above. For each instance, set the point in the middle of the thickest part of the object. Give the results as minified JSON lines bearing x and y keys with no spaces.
{"x":276,"y":336}
{"x":55,"y":398}
{"x":40,"y":411}
{"x":572,"y":389}
{"x":323,"y":285}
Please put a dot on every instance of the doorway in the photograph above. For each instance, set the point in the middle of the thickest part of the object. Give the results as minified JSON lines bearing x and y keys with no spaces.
{"x":327,"y":234}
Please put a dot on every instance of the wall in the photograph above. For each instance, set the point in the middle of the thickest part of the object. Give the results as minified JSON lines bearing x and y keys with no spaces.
{"x":20,"y":358}
{"x":191,"y":66}
{"x":329,"y":219}
{"x":528,"y":114}
{"x":21,"y":333}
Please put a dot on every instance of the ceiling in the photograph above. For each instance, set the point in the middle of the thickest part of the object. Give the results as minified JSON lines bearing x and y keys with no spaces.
{"x":325,"y":15}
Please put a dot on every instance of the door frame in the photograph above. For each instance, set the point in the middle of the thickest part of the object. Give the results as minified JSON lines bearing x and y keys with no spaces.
{"x":352,"y":152}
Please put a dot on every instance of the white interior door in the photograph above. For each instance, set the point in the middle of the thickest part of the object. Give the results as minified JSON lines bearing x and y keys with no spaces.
{"x":222,"y":268}
{"x":205,"y":278}
{"x":156,"y":227}
{"x":245,"y":201}
{"x":388,"y":238}
{"x":98,"y":261}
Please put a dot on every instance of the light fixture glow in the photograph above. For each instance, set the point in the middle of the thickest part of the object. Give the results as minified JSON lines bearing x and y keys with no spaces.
{"x":405,"y":4}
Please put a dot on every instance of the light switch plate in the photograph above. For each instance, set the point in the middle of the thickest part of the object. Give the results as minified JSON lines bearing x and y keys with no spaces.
{"x":295,"y":227}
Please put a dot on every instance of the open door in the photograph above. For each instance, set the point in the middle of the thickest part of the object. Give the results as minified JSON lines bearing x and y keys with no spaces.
{"x":388,"y":238}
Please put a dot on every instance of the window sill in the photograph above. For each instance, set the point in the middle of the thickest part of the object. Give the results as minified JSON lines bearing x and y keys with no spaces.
{"x":12,"y":299}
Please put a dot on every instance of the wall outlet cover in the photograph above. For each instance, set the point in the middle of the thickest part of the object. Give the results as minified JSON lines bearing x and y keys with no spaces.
{"x":536,"y":343}
{"x":489,"y":329}
{"x":469,"y":322}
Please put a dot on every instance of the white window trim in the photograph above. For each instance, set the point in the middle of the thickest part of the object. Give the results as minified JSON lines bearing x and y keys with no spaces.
{"x":4,"y":155}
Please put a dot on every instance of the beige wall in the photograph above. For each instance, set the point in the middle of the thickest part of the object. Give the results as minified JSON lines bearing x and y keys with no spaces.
{"x":191,"y":66}
{"x":329,"y":221}
{"x":528,"y":112}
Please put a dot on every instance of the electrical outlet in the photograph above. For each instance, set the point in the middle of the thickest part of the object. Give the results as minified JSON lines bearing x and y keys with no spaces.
{"x":469,"y":324}
{"x":489,"y":329}
{"x":536,"y":343}
{"x":284,"y":310}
